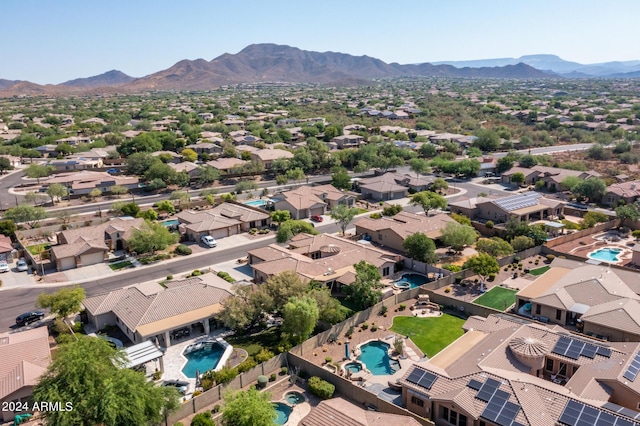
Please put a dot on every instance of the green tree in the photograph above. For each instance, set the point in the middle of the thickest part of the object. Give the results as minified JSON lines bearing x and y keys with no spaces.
{"x":95,"y":193}
{"x":5,"y":164}
{"x":518,"y":178}
{"x":570,"y":182}
{"x":496,"y":247}
{"x":420,"y":247}
{"x":37,"y":171}
{"x":439,"y":184}
{"x":483,"y":264}
{"x":166,"y":206}
{"x":203,"y":419}
{"x":123,"y":208}
{"x":527,"y":161}
{"x":429,"y":200}
{"x":139,"y":162}
{"x":331,"y":132}
{"x":428,"y":150}
{"x":62,"y":303}
{"x":628,"y":211}
{"x":248,"y":408}
{"x":365,"y":290}
{"x":418,"y":166}
{"x":151,"y":237}
{"x":189,"y":155}
{"x":207,"y":174}
{"x":461,"y":218}
{"x":90,"y":375}
{"x":149,"y":215}
{"x":504,"y":164}
{"x":7,"y":227}
{"x":593,"y":189}
{"x":341,"y":179}
{"x":34,"y":198}
{"x":117,"y":190}
{"x":391,"y":210}
{"x":515,"y":228}
{"x":296,"y":174}
{"x":288,"y":229}
{"x":487,"y":140}
{"x":300,"y":316}
{"x":280,"y":216}
{"x":330,"y":309}
{"x":24,"y":213}
{"x":522,"y":242}
{"x":343,"y":215}
{"x":458,"y":236}
{"x":591,"y":219}
{"x":56,"y":190}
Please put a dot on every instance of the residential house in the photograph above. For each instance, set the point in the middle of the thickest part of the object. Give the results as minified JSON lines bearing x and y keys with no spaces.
{"x":384,"y":187}
{"x":226,"y":219}
{"x":267,"y":156}
{"x":6,"y":247}
{"x":73,"y":140}
{"x":325,"y":258}
{"x":90,"y":245}
{"x":348,"y":141}
{"x":169,"y":156}
{"x":302,"y":202}
{"x":527,"y":206}
{"x":149,"y":311}
{"x":599,"y":299}
{"x":551,"y":176}
{"x":247,"y":140}
{"x":504,"y":371}
{"x":339,"y":411}
{"x":628,"y":192}
{"x":233,"y":122}
{"x":76,"y":163}
{"x":225,"y":165}
{"x":206,"y":116}
{"x":83,"y":182}
{"x":205,"y":148}
{"x":186,"y":166}
{"x":25,"y":357}
{"x":392,"y":231}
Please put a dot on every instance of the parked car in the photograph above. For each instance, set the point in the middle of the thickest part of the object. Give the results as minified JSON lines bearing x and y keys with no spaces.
{"x":113,"y":171}
{"x":29,"y":317}
{"x":22,"y":266}
{"x":208,"y":241}
{"x":317,"y":218}
{"x":181,"y":386}
{"x":4,"y":267}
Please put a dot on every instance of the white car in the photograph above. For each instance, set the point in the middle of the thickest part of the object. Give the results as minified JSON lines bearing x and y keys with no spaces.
{"x":22,"y":266}
{"x":208,"y":241}
{"x":3,"y":266}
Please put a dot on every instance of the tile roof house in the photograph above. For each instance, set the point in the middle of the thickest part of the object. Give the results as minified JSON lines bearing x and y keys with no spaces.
{"x":186,"y":166}
{"x":392,"y":231}
{"x":266,"y":156}
{"x":75,"y":163}
{"x":90,"y":245}
{"x":524,"y":206}
{"x":551,"y":176}
{"x":25,"y":357}
{"x":149,"y":311}
{"x":504,"y":372}
{"x":226,"y":219}
{"x":629,"y":192}
{"x":382,"y":188}
{"x":302,"y":202}
{"x":324,"y":258}
{"x":600,"y":300}
{"x":339,"y":411}
{"x":6,"y":247}
{"x":348,"y":141}
{"x":225,"y":165}
{"x":83,"y":182}
{"x":205,"y":148}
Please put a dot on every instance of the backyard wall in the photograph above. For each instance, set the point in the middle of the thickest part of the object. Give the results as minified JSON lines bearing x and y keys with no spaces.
{"x":601,"y":227}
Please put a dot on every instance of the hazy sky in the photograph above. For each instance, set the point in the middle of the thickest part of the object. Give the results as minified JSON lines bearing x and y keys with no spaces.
{"x":51,"y":41}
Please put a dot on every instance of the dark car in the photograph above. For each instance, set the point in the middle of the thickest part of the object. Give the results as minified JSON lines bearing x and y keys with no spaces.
{"x":29,"y":317}
{"x":179,"y":385}
{"x":317,"y":218}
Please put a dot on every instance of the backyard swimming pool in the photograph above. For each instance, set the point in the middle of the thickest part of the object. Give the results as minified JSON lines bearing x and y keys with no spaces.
{"x":375,"y":355}
{"x":354,"y":367}
{"x":202,"y":358}
{"x":261,"y":203}
{"x":283,"y":411}
{"x":606,"y":254}
{"x":409,"y":281}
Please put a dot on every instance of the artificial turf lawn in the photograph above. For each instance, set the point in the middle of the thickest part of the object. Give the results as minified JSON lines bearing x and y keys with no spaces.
{"x":432,"y":334}
{"x":497,"y":298}
{"x":539,"y":271}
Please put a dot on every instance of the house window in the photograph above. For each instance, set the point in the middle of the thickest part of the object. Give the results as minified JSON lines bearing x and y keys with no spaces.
{"x":558,"y":314}
{"x":380,"y":237}
{"x":454,"y":417}
{"x":263,"y":222}
{"x":538,"y":308}
{"x":417,"y":401}
{"x":562,"y":371}
{"x":315,"y":255}
{"x":549,"y":366}
{"x":252,"y":224}
{"x":385,"y":271}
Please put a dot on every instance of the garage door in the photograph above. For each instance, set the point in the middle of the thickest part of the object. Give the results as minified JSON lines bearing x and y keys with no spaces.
{"x":92,"y":258}
{"x":67,"y":263}
{"x":219,"y":233}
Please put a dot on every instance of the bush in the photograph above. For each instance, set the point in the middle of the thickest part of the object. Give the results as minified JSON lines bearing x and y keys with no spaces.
{"x":157,"y":375}
{"x":246,"y":365}
{"x":272,"y":377}
{"x":284,"y":371}
{"x":375,"y":216}
{"x":383,"y":310}
{"x":489,"y":224}
{"x":492,"y":277}
{"x":349,"y":332}
{"x":550,"y":258}
{"x":447,"y":290}
{"x":452,"y":268}
{"x":364,"y":326}
{"x":263,"y":355}
{"x":262,"y":381}
{"x":225,"y":276}
{"x":202,"y":419}
{"x":328,"y":359}
{"x":222,"y":376}
{"x":196,"y":273}
{"x":183,"y":250}
{"x":402,"y":307}
{"x":169,"y":277}
{"x":374,"y":328}
{"x":321,"y":388}
{"x":196,"y":393}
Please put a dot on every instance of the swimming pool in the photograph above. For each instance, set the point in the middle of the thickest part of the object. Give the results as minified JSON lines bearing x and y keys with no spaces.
{"x":375,"y":355}
{"x":283,"y":411}
{"x":171,"y":223}
{"x":606,"y":254}
{"x":354,"y":367}
{"x":257,"y":203}
{"x":411,"y":281}
{"x":202,"y":358}
{"x":294,"y":398}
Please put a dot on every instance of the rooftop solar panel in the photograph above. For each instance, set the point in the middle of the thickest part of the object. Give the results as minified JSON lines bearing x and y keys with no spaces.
{"x":606,"y":352}
{"x":519,"y":201}
{"x":474,"y":384}
{"x":589,"y":351}
{"x":633,"y":368}
{"x":578,"y":414}
{"x":561,"y":346}
{"x":622,"y":410}
{"x":415,"y":376}
{"x":427,"y":380}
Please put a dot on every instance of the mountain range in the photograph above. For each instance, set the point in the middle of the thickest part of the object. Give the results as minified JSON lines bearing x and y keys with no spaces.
{"x":259,"y":63}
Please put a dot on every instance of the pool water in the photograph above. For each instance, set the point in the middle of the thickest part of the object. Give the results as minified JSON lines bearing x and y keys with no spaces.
{"x":257,"y":203}
{"x":354,"y":367}
{"x":376,"y":357}
{"x":170,"y":223}
{"x":414,"y":280}
{"x":202,"y":360}
{"x":294,"y":398}
{"x":606,"y":254}
{"x":283,"y":411}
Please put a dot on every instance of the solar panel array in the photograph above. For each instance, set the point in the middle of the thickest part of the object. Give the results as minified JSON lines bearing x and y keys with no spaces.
{"x":422,"y":378}
{"x":578,"y":414}
{"x":622,"y":410}
{"x":632,"y":370}
{"x":499,"y":409}
{"x":572,"y":348}
{"x":516,"y":202}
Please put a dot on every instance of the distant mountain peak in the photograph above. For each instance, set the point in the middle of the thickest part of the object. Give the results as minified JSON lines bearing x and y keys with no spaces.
{"x":109,"y":78}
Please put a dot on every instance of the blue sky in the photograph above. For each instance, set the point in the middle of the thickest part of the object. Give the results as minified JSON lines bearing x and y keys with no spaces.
{"x":51,"y":41}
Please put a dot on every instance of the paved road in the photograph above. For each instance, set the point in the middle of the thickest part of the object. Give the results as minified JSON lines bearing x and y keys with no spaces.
{"x":13,"y":302}
{"x":548,"y":149}
{"x":8,"y":200}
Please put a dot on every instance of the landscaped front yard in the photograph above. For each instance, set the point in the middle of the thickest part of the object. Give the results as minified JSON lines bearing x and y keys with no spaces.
{"x":539,"y":271}
{"x":497,"y":298}
{"x":431,"y":335}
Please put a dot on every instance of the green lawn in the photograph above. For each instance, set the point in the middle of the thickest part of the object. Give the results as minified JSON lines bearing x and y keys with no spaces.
{"x":120,"y":265}
{"x":431,"y":335}
{"x":37,"y":248}
{"x":361,"y":211}
{"x":539,"y":271}
{"x":498,"y":298}
{"x":254,"y":343}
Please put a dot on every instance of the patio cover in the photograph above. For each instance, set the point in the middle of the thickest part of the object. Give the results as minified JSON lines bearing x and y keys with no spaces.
{"x":141,"y":353}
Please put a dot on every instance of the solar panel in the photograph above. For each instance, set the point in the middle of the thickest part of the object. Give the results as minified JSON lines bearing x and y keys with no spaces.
{"x":415,"y":376}
{"x":499,"y":410}
{"x":561,"y":346}
{"x":606,"y":352}
{"x":574,"y":350}
{"x":633,"y":368}
{"x":589,"y":351}
{"x":474,"y":384}
{"x":488,"y":390}
{"x":427,"y":380}
{"x":519,"y":201}
{"x":622,"y":410}
{"x":578,"y":414}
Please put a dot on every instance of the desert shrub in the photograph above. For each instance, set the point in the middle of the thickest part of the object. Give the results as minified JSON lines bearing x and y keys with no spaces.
{"x":272,"y":377}
{"x":374,"y":328}
{"x":202,"y":419}
{"x":321,"y":388}
{"x":262,"y":381}
{"x":375,"y":216}
{"x":183,"y":250}
{"x":550,"y":258}
{"x":328,"y":359}
{"x":224,"y":375}
{"x":364,"y":326}
{"x":284,"y":371}
{"x":402,"y":307}
{"x":383,"y":310}
{"x":452,"y":268}
{"x":263,"y":355}
{"x":225,"y":276}
{"x":246,"y":365}
{"x":489,"y":224}
{"x":349,"y":332}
